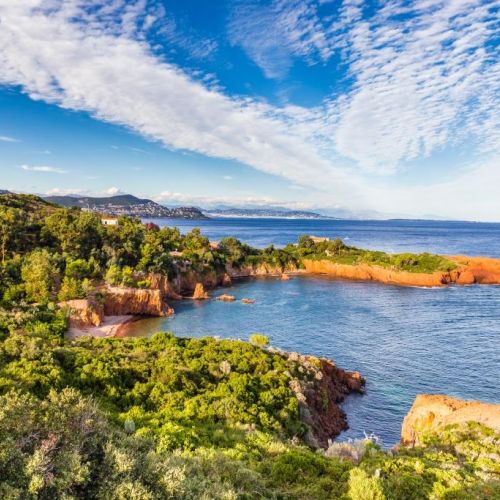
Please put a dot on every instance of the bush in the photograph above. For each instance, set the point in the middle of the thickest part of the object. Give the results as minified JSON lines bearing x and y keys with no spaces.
{"x":259,"y":340}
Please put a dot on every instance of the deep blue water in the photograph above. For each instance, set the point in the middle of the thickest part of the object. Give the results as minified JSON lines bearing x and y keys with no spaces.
{"x":470,"y":238}
{"x":404,"y":340}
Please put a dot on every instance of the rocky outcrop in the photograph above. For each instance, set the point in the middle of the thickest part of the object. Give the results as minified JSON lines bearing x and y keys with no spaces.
{"x":168,"y":288}
{"x":470,"y":270}
{"x":83,"y":312}
{"x":433,"y":411}
{"x":320,"y":387}
{"x":483,"y":270}
{"x":226,"y":298}
{"x":248,"y":301}
{"x":137,"y":301}
{"x":199,"y":292}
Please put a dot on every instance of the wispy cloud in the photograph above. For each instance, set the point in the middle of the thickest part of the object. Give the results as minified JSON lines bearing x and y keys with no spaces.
{"x":46,"y":52}
{"x":425,"y":78}
{"x":43,"y":168}
{"x":6,"y":138}
{"x":273,"y":35}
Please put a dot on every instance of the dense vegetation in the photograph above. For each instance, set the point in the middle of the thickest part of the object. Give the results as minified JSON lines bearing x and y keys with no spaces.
{"x":337,"y":251}
{"x":166,"y":417}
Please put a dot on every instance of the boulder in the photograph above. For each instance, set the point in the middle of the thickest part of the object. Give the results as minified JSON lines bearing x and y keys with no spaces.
{"x":433,"y":411}
{"x":226,"y":298}
{"x":248,"y":301}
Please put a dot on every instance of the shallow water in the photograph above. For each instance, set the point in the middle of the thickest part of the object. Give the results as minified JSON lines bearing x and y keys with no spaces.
{"x":404,"y":340}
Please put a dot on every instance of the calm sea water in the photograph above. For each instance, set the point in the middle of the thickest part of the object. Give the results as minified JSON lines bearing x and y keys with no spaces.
{"x":470,"y":238}
{"x":404,"y":340}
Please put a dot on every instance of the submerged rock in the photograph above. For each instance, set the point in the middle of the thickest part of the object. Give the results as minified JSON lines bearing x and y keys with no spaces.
{"x":433,"y":411}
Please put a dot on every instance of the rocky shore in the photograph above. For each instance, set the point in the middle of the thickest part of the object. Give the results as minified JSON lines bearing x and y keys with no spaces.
{"x":432,"y":412}
{"x":320,"y":390}
{"x":470,"y":270}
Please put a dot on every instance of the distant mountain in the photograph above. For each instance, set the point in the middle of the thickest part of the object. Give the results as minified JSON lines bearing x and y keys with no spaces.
{"x":4,"y":191}
{"x":126,"y":204}
{"x":264,"y":213}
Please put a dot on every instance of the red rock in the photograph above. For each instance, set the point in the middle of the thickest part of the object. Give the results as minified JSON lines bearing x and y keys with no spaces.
{"x":147,"y":302}
{"x":226,"y":298}
{"x":434,"y":411}
{"x":199,"y":292}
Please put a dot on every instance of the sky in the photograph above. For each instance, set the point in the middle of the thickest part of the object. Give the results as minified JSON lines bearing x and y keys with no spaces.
{"x":349,"y":107}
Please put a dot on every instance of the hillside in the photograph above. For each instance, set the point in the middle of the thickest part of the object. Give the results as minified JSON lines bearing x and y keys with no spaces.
{"x":126,"y":204}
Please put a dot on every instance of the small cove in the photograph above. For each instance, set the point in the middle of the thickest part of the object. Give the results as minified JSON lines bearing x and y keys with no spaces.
{"x":404,"y":340}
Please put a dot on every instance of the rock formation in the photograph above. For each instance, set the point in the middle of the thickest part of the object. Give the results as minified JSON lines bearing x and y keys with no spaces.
{"x":83,"y":312}
{"x":248,"y":301}
{"x":433,"y":411}
{"x":143,"y":302}
{"x":320,"y":394}
{"x":199,"y":292}
{"x":470,"y":270}
{"x":226,"y":298}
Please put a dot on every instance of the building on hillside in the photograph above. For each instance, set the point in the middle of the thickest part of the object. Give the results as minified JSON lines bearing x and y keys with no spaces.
{"x":109,"y":221}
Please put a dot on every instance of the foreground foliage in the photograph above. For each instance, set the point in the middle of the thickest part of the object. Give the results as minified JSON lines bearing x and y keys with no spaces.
{"x":177,"y":418}
{"x":193,"y":418}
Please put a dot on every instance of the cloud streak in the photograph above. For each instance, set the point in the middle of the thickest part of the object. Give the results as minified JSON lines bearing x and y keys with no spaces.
{"x":424,"y":76}
{"x":6,"y":138}
{"x":43,"y":168}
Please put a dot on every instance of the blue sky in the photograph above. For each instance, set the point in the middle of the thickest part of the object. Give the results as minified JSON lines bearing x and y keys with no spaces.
{"x":346,"y":106}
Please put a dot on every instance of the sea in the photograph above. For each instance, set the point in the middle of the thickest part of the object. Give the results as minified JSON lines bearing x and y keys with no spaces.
{"x":404,"y":340}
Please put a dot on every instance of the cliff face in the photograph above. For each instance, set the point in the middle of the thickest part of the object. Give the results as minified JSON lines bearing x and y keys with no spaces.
{"x":145,"y":302}
{"x":484,"y":270}
{"x":83,"y":312}
{"x":320,"y":389}
{"x":431,"y":412}
{"x":471,"y":270}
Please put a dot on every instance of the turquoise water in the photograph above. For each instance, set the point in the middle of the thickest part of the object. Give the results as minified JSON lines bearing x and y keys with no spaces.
{"x":404,"y":340}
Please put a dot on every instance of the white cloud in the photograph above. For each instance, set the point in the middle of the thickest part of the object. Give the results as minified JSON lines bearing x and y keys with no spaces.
{"x":87,"y":65}
{"x":113,"y":191}
{"x":66,"y":191}
{"x":422,"y":83}
{"x":228,"y":177}
{"x":273,"y":35}
{"x":168,"y":197}
{"x":43,"y":168}
{"x":6,"y":138}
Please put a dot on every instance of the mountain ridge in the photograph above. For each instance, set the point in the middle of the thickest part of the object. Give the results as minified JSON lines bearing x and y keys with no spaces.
{"x":126,"y":204}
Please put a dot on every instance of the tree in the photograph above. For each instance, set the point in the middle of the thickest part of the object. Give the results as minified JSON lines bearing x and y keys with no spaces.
{"x":40,"y":276}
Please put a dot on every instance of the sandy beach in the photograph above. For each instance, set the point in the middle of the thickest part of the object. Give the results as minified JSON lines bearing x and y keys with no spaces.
{"x":110,"y":327}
